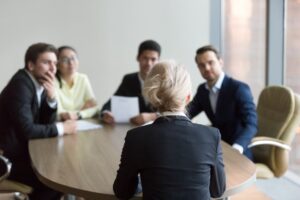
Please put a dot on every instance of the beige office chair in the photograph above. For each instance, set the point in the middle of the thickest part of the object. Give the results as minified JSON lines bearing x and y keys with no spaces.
{"x":20,"y":190}
{"x":278,"y":113}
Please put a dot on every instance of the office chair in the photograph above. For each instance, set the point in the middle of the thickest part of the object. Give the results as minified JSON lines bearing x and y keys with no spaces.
{"x":20,"y":190}
{"x":278,"y":118}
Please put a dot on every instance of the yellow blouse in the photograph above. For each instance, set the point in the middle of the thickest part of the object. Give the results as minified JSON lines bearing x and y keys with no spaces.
{"x":72,"y":99}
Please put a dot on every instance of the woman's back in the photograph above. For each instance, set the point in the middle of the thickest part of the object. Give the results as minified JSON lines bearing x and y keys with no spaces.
{"x":176,"y":159}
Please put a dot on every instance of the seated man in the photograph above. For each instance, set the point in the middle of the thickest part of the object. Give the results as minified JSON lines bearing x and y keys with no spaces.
{"x":131,"y":86}
{"x":228,"y":103}
{"x":28,"y":111}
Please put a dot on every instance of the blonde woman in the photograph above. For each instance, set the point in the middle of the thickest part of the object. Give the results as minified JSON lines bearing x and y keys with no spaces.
{"x":76,"y":99}
{"x":176,"y":159}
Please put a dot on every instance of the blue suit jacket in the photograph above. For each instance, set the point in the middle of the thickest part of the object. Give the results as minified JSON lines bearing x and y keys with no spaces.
{"x":176,"y":159}
{"x":235,"y":115}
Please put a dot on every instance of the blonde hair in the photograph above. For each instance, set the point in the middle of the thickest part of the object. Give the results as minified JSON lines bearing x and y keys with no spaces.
{"x":167,"y":85}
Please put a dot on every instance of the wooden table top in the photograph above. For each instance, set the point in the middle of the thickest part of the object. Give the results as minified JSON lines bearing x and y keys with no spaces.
{"x":86,"y":164}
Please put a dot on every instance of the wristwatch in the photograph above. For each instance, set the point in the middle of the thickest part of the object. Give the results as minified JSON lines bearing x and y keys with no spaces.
{"x":79,"y":115}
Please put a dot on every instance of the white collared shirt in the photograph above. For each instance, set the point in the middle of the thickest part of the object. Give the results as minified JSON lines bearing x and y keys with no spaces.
{"x":39,"y":90}
{"x":141,"y":81}
{"x":167,"y":113}
{"x":214,"y":92}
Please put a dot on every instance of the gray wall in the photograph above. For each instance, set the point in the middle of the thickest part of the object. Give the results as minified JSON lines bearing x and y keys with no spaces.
{"x":106,"y":34}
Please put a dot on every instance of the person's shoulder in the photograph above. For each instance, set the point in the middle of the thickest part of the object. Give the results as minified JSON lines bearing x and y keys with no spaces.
{"x":139,"y":129}
{"x":131,"y":78}
{"x":20,"y":83}
{"x":143,"y":129}
{"x":204,"y":127}
{"x":207,"y":130}
{"x":136,"y":134}
{"x":20,"y":74}
{"x":131,"y":75}
{"x":21,"y":77}
{"x":201,"y":87}
{"x":81,"y":75}
{"x":234,"y":81}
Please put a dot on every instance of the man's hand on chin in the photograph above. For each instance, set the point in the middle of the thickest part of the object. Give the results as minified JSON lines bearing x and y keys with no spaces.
{"x":48,"y":84}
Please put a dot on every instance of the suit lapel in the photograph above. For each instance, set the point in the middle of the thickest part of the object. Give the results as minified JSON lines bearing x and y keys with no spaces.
{"x":138,"y":83}
{"x":222,"y":96}
{"x":142,"y":102}
{"x":207,"y":105}
{"x":35,"y":105}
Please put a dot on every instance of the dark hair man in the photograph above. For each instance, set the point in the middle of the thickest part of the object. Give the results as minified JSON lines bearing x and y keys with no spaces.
{"x":228,"y":103}
{"x":131,"y":86}
{"x":28,"y":111}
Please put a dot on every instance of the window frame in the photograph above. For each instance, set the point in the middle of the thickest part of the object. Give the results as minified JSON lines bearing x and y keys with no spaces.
{"x":275,"y":34}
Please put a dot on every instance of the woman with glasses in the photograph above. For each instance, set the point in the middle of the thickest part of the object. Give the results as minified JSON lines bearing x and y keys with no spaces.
{"x":76,"y":99}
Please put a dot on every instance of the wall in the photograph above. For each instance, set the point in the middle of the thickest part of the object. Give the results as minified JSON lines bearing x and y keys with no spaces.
{"x":106,"y":34}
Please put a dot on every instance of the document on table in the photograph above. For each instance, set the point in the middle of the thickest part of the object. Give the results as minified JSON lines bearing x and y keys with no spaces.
{"x":83,"y":125}
{"x":124,"y":108}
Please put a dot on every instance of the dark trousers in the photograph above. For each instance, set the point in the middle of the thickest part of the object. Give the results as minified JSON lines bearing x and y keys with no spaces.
{"x":23,"y":172}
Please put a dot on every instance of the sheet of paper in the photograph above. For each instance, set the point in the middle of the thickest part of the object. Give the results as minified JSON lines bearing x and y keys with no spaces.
{"x":124,"y":108}
{"x":83,"y":125}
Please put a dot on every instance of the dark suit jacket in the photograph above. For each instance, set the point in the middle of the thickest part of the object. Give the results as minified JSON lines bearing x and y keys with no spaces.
{"x":22,"y":119}
{"x":176,"y":159}
{"x":130,"y":87}
{"x":235,"y":115}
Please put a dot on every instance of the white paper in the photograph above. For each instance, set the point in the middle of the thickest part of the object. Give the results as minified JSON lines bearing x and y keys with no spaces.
{"x":124,"y":108}
{"x":83,"y":125}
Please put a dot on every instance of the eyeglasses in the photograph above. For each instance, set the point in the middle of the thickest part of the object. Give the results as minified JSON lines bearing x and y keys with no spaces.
{"x":67,"y":60}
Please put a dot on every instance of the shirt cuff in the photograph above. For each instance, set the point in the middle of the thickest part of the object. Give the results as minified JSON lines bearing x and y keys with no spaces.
{"x":103,"y":112}
{"x":238,"y":147}
{"x":60,"y":128}
{"x":52,"y":103}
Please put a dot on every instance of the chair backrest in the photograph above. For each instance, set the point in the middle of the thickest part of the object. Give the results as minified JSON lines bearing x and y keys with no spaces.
{"x":278,"y":112}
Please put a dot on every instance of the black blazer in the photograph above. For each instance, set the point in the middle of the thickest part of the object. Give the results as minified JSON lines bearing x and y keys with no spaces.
{"x":22,"y":119}
{"x":235,"y":115}
{"x":130,"y":87}
{"x":176,"y":159}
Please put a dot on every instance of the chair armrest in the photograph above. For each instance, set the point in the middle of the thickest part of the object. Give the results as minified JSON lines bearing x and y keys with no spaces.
{"x":13,"y":186}
{"x":256,"y":141}
{"x":6,"y":164}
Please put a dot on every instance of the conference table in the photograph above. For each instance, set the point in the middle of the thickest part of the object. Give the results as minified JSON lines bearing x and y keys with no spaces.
{"x":85,"y":164}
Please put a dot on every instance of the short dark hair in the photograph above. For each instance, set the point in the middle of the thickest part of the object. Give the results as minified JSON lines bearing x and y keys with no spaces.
{"x":36,"y":49}
{"x":60,"y":49}
{"x":149,"y":45}
{"x":206,"y":48}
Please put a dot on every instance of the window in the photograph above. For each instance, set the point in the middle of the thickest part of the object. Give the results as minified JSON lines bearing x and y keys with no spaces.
{"x":292,"y":45}
{"x":244,"y":42}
